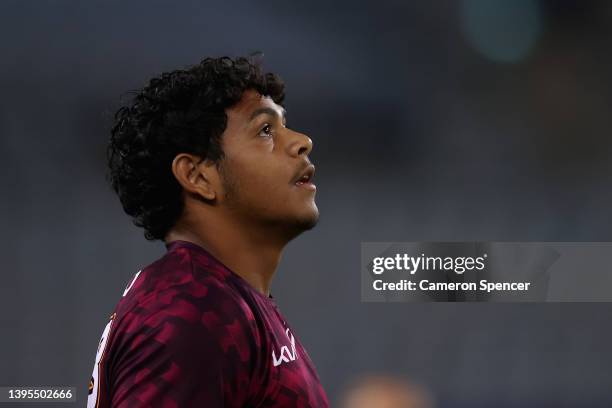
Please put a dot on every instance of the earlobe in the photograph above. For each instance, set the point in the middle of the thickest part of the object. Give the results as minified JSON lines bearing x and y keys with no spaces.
{"x":194,"y":175}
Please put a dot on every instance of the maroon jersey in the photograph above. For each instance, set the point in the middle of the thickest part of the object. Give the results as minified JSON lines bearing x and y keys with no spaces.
{"x":189,"y":332}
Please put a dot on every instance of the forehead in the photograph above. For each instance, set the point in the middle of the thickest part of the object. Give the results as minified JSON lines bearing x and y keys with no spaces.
{"x":251,"y":101}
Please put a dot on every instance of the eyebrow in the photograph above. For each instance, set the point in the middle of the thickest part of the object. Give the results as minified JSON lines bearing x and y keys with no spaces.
{"x":267,"y":111}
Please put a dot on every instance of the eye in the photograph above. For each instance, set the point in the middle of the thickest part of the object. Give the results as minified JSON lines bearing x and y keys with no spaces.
{"x":266,"y":131}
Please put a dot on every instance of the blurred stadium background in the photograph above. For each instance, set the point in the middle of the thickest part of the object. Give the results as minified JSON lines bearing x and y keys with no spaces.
{"x":446,"y":120}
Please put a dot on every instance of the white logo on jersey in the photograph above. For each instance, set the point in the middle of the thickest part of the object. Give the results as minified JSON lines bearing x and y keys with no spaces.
{"x":286,"y":356}
{"x":129,"y":286}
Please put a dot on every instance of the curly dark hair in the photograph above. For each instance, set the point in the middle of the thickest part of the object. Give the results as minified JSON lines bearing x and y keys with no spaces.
{"x":181,"y":111}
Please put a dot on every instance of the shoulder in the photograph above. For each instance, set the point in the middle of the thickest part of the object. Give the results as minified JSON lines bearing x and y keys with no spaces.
{"x":171,"y":292}
{"x":193,"y":335}
{"x":174,"y":305}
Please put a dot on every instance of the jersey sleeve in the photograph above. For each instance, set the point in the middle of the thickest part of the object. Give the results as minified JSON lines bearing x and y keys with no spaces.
{"x":184,"y":353}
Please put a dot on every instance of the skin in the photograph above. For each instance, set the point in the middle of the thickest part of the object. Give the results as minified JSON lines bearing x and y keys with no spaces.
{"x":386,"y":392}
{"x":246,"y":208}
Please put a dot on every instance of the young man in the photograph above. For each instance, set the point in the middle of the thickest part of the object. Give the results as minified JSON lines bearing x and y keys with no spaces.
{"x":203,"y":160}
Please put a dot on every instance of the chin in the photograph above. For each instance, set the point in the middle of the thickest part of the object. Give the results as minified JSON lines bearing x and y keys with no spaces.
{"x":309,"y":222}
{"x":310,"y":219}
{"x":302,"y":221}
{"x":293,"y":223}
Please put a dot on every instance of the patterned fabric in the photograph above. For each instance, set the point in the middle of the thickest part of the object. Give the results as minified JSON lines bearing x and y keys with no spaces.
{"x":189,"y":332}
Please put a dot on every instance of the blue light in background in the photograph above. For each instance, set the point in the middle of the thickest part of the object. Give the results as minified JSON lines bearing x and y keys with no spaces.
{"x":502,"y":30}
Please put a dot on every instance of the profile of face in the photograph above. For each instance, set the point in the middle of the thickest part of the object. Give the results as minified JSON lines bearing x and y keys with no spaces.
{"x":266,"y":174}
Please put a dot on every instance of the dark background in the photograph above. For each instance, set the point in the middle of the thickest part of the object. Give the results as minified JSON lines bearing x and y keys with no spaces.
{"x":443,"y":120}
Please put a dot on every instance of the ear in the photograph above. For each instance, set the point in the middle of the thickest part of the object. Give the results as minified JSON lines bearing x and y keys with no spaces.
{"x":195,"y":175}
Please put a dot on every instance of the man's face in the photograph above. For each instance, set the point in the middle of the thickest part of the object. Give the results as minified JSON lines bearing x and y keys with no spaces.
{"x":266,"y":169}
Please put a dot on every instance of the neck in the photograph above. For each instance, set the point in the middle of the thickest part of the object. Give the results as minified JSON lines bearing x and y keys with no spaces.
{"x":252,"y":253}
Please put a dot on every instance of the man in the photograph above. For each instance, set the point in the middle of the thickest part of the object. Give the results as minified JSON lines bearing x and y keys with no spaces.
{"x":203,"y":160}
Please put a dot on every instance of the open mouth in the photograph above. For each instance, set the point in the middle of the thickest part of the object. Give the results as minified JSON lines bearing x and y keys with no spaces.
{"x":305,"y":179}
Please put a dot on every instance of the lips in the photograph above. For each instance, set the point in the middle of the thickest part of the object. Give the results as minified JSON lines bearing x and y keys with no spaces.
{"x":305,"y":177}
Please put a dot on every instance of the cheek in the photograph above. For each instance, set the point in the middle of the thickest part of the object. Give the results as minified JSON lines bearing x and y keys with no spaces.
{"x":263,"y":186}
{"x":260,"y":181}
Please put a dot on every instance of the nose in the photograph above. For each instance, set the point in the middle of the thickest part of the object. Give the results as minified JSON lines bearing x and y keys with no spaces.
{"x":300,"y":144}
